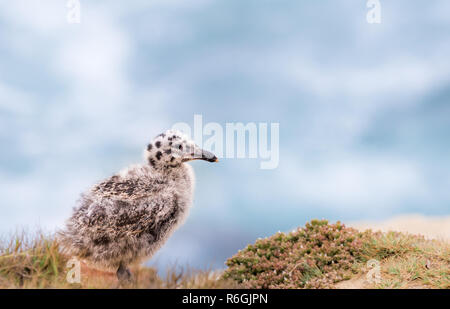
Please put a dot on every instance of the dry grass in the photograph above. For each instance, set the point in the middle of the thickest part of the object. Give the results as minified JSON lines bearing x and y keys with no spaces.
{"x":409,"y":261}
{"x":27,"y":262}
{"x":320,"y":255}
{"x":30,"y":262}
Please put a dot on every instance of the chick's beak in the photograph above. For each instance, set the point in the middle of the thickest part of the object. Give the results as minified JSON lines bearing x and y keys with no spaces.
{"x":209,"y":156}
{"x":200,"y":154}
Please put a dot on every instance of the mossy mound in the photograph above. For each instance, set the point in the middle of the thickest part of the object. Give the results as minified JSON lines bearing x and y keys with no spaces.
{"x":322,"y":254}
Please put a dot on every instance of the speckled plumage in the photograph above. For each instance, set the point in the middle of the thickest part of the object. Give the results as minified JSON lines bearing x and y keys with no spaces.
{"x":128,"y":217}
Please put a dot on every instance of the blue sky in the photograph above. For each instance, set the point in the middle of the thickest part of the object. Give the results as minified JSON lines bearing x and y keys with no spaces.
{"x":364,"y":109}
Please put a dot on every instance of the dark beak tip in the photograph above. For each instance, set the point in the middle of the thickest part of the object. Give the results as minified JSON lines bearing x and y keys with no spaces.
{"x":215,"y":159}
{"x":208,"y":156}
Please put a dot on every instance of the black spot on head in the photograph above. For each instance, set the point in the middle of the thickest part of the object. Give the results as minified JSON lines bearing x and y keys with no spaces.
{"x":168,"y":151}
{"x":174,"y":136}
{"x":158,"y":155}
{"x":180,"y":147}
{"x":169,"y":138}
{"x":158,"y":144}
{"x":170,"y":144}
{"x":152,"y":162}
{"x":172,"y":159}
{"x":162,"y":135}
{"x":149,"y":147}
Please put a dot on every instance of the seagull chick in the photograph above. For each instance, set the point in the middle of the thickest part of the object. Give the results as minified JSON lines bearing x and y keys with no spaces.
{"x":125,"y":219}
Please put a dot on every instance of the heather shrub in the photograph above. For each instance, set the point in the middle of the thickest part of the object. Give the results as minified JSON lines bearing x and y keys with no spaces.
{"x":315,"y":256}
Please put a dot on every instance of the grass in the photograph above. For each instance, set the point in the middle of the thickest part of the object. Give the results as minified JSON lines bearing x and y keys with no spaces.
{"x":27,"y":262}
{"x":319,"y":255}
{"x":323,"y":255}
{"x":410,"y":261}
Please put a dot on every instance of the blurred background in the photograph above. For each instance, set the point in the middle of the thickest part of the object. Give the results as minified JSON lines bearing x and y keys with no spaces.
{"x":364,"y":109}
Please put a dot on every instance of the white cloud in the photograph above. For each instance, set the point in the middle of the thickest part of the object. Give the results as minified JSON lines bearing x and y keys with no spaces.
{"x":43,"y":17}
{"x":94,"y":55}
{"x":42,"y":198}
{"x":400,"y":75}
{"x":14,"y":101}
{"x":356,"y":182}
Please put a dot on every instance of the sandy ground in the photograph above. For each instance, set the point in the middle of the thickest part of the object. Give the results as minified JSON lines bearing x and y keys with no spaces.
{"x":429,"y":227}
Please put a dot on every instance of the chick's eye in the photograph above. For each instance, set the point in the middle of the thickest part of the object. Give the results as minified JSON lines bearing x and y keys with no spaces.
{"x":180,"y":147}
